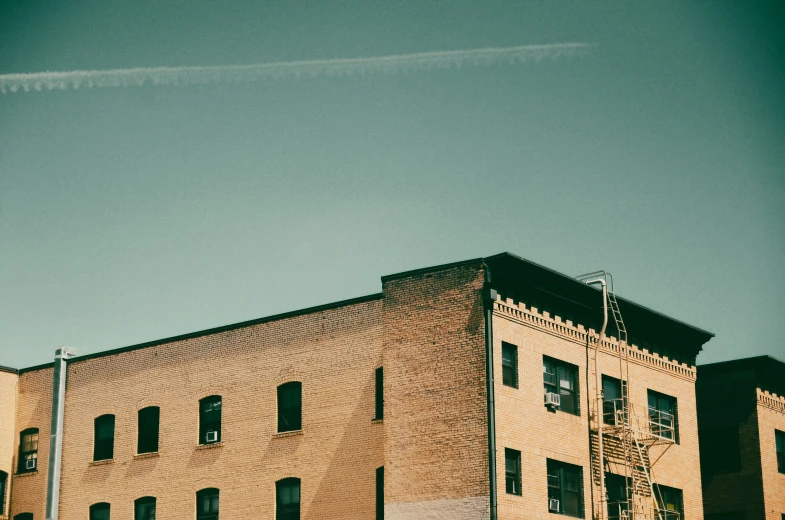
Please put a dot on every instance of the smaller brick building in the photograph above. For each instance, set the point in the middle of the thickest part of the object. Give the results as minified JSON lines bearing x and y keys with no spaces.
{"x":741,"y":417}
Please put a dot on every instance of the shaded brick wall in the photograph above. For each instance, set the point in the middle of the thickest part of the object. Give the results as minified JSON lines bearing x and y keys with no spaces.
{"x":8,"y":383}
{"x":34,"y":410}
{"x":523,"y":422}
{"x":771,"y":416}
{"x":435,"y":400}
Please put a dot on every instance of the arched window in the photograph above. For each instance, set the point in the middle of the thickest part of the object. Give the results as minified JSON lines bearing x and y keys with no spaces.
{"x":3,"y":486}
{"x":28,"y":450}
{"x":24,"y":516}
{"x":99,"y":511}
{"x":287,"y":499}
{"x":210,"y":420}
{"x":290,"y":407}
{"x":103,"y":444}
{"x":149,"y":420}
{"x":144,"y":508}
{"x":207,"y":504}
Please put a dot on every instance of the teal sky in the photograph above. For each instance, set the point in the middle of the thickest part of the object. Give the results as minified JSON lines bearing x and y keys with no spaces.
{"x":131,"y":214}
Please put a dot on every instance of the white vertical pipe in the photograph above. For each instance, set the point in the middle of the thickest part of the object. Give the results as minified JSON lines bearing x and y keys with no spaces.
{"x":56,"y":432}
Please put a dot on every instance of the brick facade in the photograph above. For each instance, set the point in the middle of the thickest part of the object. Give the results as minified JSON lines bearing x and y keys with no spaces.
{"x":526,"y":425}
{"x":739,"y":411}
{"x":427,"y":329}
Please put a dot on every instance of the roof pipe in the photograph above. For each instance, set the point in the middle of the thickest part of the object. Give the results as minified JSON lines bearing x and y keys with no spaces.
{"x":488,"y":297}
{"x":56,"y":431}
{"x":598,"y":390}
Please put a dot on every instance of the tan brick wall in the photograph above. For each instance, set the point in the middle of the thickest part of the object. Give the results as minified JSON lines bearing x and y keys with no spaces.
{"x":523,"y":422}
{"x":34,"y":410}
{"x":771,"y":416}
{"x":435,"y":415}
{"x":8,"y":384}
{"x":333,"y":353}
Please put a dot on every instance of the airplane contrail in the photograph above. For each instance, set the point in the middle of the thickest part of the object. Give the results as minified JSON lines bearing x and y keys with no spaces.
{"x":180,"y":76}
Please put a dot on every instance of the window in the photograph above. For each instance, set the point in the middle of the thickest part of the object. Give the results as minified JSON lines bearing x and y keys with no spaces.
{"x":509,"y":365}
{"x":99,"y":511}
{"x":720,"y":450}
{"x":3,"y":485}
{"x":565,"y":488}
{"x":562,"y":378}
{"x":379,"y":393}
{"x":669,"y":502}
{"x":210,"y":420}
{"x":663,"y":418}
{"x":28,"y":451}
{"x":144,"y":508}
{"x":24,"y":516}
{"x":779,"y":441}
{"x":103,"y":447}
{"x":287,"y":499}
{"x":290,"y":407}
{"x":380,"y":493}
{"x":512,"y":471}
{"x":616,"y":490}
{"x":207,"y":504}
{"x":613,"y":399}
{"x":149,"y":420}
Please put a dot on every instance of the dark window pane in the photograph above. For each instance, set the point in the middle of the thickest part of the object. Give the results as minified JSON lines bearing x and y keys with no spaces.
{"x":379,"y":393}
{"x":562,"y":378}
{"x":99,"y":511}
{"x":144,"y":508}
{"x":509,"y":365}
{"x":512,"y":462}
{"x":290,"y":407}
{"x":210,"y":409}
{"x":103,"y":443}
{"x":287,"y":492}
{"x":207,"y":504}
{"x":3,"y":485}
{"x":149,"y":419}
{"x":669,"y":501}
{"x":779,"y":440}
{"x":24,"y":516}
{"x":565,"y":484}
{"x":28,"y":451}
{"x":380,"y":493}
{"x":663,"y":419}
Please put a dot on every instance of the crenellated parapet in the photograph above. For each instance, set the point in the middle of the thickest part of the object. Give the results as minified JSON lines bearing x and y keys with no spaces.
{"x":530,"y":316}
{"x":771,"y":400}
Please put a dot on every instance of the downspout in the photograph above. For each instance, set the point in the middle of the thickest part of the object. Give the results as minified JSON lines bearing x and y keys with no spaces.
{"x":598,"y":390}
{"x":56,"y":432}
{"x":488,"y":297}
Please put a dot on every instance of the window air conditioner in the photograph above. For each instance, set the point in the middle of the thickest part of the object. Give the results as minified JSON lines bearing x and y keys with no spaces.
{"x":30,"y":464}
{"x":552,"y":399}
{"x":211,"y":436}
{"x":553,"y":505}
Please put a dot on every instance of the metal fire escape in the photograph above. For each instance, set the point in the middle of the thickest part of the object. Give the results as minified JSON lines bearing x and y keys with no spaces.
{"x":627,"y":438}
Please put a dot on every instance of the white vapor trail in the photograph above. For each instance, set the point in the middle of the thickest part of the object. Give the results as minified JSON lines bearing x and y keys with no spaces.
{"x":178,"y":76}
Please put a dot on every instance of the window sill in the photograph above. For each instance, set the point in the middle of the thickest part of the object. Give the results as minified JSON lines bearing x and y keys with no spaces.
{"x":283,"y":435}
{"x":151,"y":455}
{"x":377,"y":421}
{"x":26,"y":474}
{"x":101,"y":462}
{"x":209,"y":446}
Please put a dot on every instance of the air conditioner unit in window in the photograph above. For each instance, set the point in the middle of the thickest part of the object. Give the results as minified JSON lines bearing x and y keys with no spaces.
{"x":553,"y":505}
{"x":211,"y":436}
{"x":30,"y":464}
{"x":552,"y":399}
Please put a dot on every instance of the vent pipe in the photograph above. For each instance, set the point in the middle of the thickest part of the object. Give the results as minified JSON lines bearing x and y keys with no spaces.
{"x":56,"y":432}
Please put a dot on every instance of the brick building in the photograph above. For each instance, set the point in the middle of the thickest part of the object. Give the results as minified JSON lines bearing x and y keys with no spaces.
{"x":741,"y":412}
{"x":377,"y":407}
